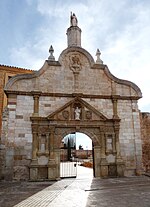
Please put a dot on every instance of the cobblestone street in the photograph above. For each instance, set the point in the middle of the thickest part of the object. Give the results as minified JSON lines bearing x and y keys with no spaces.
{"x":83,"y":191}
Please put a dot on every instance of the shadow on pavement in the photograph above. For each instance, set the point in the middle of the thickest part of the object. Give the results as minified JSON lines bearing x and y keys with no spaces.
{"x":11,"y":193}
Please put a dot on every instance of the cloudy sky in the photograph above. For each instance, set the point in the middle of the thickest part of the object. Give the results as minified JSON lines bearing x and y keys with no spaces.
{"x":120,"y":29}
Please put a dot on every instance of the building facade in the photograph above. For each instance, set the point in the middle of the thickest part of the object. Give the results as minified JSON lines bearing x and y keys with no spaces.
{"x":73,"y":94}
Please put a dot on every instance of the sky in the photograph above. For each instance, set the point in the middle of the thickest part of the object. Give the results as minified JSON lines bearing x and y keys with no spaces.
{"x":120,"y":29}
{"x":79,"y":139}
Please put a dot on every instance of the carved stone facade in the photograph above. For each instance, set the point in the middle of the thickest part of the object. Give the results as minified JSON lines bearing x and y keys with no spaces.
{"x":73,"y":94}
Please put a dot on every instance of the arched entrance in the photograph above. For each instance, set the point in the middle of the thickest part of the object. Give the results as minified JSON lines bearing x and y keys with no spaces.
{"x":48,"y":133}
{"x":76,"y":155}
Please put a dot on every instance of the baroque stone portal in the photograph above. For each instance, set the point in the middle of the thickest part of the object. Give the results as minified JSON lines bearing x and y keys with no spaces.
{"x":73,"y":94}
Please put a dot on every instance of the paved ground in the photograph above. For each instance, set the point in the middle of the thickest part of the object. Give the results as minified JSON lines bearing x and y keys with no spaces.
{"x":124,"y":192}
{"x":12,"y":193}
{"x":84,"y":191}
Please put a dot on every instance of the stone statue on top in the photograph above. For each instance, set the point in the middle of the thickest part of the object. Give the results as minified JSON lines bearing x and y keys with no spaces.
{"x":73,"y":20}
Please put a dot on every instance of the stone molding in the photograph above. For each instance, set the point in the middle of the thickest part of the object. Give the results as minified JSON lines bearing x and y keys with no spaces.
{"x":67,"y":95}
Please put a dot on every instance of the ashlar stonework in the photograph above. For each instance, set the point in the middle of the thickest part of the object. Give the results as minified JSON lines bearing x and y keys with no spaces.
{"x":73,"y":94}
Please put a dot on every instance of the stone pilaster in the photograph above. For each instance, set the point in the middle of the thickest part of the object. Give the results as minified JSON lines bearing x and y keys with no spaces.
{"x":34,"y":161}
{"x":119,"y":161}
{"x":51,"y":162}
{"x":36,"y":96}
{"x":103,"y":163}
{"x":97,"y":150}
{"x":76,"y":82}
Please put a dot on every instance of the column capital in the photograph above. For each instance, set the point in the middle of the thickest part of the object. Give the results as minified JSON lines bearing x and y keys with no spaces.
{"x":36,"y":93}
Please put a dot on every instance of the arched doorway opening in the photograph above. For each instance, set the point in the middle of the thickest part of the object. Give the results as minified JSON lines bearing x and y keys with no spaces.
{"x":76,"y":156}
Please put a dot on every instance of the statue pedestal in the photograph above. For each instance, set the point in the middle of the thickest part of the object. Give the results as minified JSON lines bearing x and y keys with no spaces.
{"x":34,"y":170}
{"x":120,"y":167}
{"x":104,"y":168}
{"x":51,"y":169}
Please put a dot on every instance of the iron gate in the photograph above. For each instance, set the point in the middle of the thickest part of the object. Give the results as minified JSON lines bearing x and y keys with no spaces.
{"x":68,"y":160}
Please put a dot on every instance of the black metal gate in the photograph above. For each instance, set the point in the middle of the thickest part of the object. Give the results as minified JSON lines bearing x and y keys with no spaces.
{"x":68,"y":160}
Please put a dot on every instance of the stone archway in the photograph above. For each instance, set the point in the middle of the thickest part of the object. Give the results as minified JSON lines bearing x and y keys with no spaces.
{"x":49,"y":131}
{"x":46,"y":163}
{"x":62,"y":132}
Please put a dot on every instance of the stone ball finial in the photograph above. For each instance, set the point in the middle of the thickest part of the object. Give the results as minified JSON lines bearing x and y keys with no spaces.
{"x":51,"y":51}
{"x":98,"y":61}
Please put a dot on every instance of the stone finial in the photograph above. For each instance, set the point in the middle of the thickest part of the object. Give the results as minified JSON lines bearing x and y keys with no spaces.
{"x":51,"y":51}
{"x":98,"y":61}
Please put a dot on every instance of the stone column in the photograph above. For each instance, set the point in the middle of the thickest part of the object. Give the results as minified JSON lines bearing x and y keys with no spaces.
{"x":36,"y":96}
{"x":115,"y":112}
{"x":39,"y":143}
{"x":51,"y":162}
{"x":47,"y":144}
{"x":51,"y":151}
{"x":113,"y":144}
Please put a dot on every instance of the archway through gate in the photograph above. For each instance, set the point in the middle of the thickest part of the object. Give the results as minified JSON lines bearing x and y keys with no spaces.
{"x":48,"y":133}
{"x":76,"y":156}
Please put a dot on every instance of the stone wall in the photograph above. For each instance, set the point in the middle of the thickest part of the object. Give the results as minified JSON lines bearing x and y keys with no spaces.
{"x":130,"y":135}
{"x":145,"y":131}
{"x":16,"y":143}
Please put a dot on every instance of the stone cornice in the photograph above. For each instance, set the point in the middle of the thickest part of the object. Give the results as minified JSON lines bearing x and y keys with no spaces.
{"x":72,"y":123}
{"x":35,"y":74}
{"x":123,"y":82}
{"x":31,"y":93}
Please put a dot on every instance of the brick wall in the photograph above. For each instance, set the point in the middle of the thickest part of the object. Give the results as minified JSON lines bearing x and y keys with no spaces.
{"x":145,"y":130}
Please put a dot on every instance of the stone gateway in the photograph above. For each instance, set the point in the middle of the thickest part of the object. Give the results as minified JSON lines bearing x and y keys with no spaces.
{"x":73,"y":94}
